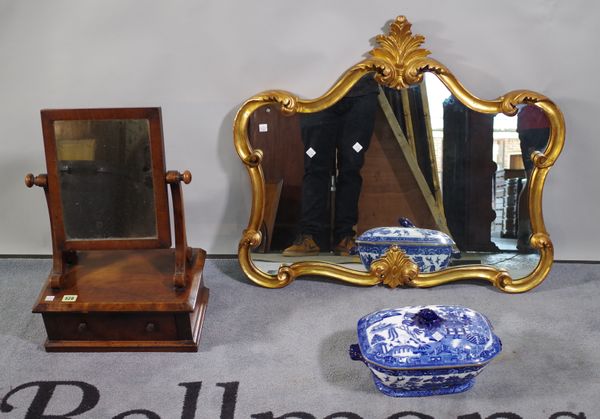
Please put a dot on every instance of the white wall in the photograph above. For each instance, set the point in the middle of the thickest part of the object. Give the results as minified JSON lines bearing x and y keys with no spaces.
{"x":199,"y":60}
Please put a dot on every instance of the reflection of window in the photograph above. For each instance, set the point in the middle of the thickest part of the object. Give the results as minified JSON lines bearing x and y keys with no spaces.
{"x":84,"y":149}
{"x":506,"y":140}
{"x":506,"y":145}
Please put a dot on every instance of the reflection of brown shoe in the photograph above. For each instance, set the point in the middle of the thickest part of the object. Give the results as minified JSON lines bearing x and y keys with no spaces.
{"x":346,"y":247}
{"x":304,"y":245}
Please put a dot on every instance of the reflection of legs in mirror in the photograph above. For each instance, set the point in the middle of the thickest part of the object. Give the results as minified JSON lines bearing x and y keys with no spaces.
{"x":304,"y":245}
{"x":318,"y":135}
{"x":353,"y":142}
{"x":335,"y":141}
{"x":345,"y":247}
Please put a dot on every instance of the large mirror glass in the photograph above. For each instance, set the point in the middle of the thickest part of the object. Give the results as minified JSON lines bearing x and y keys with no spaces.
{"x":381,"y":154}
{"x":105,"y":176}
{"x":397,"y":138}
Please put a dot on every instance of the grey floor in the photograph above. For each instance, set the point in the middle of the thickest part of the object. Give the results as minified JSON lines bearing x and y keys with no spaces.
{"x":267,"y":353}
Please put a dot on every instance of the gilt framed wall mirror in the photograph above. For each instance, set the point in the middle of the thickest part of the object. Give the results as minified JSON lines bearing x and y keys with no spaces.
{"x":397,"y":138}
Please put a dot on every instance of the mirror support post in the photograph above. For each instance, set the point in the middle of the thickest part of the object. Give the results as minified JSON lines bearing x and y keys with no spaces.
{"x":58,"y":254}
{"x":183,"y":253}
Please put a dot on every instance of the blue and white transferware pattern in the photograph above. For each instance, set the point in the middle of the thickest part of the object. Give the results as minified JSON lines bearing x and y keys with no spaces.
{"x":425,"y":350}
{"x":430,"y":250}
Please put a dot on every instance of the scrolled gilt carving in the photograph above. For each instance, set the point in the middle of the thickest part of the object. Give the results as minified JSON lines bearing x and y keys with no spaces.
{"x":502,"y":280}
{"x":287,"y":101}
{"x":395,"y":268}
{"x":254,"y":158}
{"x":285,"y":274}
{"x":399,"y":57}
{"x":251,"y":238}
{"x":541,"y":241}
{"x":509,"y":102}
{"x":540,"y":160}
{"x":398,"y":61}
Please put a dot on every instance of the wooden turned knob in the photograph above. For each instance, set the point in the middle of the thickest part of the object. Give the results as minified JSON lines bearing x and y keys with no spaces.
{"x":174,"y":176}
{"x":39,"y":180}
{"x":150,"y":327}
{"x":186,"y":177}
{"x":82,"y":327}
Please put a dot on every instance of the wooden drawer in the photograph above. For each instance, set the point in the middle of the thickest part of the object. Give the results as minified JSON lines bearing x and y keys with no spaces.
{"x":111,"y":326}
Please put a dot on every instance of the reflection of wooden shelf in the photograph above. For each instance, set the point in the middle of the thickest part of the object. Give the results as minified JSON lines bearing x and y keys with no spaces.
{"x":501,"y":202}
{"x":272,"y":198}
{"x":126,"y":301}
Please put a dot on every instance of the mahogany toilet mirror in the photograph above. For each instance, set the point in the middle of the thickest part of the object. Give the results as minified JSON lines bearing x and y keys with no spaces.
{"x":115,"y":282}
{"x":438,"y":155}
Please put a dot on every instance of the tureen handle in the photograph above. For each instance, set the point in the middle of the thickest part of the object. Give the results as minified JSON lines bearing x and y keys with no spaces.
{"x":427,"y":318}
{"x":405,"y":222}
{"x":355,"y":353}
{"x":497,"y":341}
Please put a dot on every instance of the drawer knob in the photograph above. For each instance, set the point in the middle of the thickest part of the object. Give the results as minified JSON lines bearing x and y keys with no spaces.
{"x":82,"y":327}
{"x":150,"y":327}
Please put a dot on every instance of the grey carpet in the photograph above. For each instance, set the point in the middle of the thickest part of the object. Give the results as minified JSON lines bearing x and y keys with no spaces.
{"x":268,"y":353}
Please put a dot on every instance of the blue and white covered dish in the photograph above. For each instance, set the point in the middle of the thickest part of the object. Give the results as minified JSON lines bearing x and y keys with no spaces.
{"x":430,"y":250}
{"x":425,"y":350}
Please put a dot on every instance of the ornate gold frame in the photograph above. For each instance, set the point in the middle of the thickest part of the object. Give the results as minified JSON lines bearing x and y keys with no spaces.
{"x":399,"y":61}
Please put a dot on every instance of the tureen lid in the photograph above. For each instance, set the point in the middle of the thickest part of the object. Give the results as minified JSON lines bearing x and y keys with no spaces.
{"x":405,"y":235}
{"x":427,"y":336}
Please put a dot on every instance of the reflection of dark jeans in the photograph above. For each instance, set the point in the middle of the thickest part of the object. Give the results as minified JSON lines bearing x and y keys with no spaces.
{"x":531,"y":140}
{"x":339,"y":128}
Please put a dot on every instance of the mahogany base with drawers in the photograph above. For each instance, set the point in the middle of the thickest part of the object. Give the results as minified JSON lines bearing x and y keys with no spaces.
{"x":123,"y":300}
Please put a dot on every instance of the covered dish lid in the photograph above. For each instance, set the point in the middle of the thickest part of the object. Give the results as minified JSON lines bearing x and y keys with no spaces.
{"x":427,"y":336}
{"x":406,"y":233}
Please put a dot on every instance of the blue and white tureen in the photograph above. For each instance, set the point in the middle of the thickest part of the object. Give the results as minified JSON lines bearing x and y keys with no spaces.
{"x":425,"y":350}
{"x":430,"y":250}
